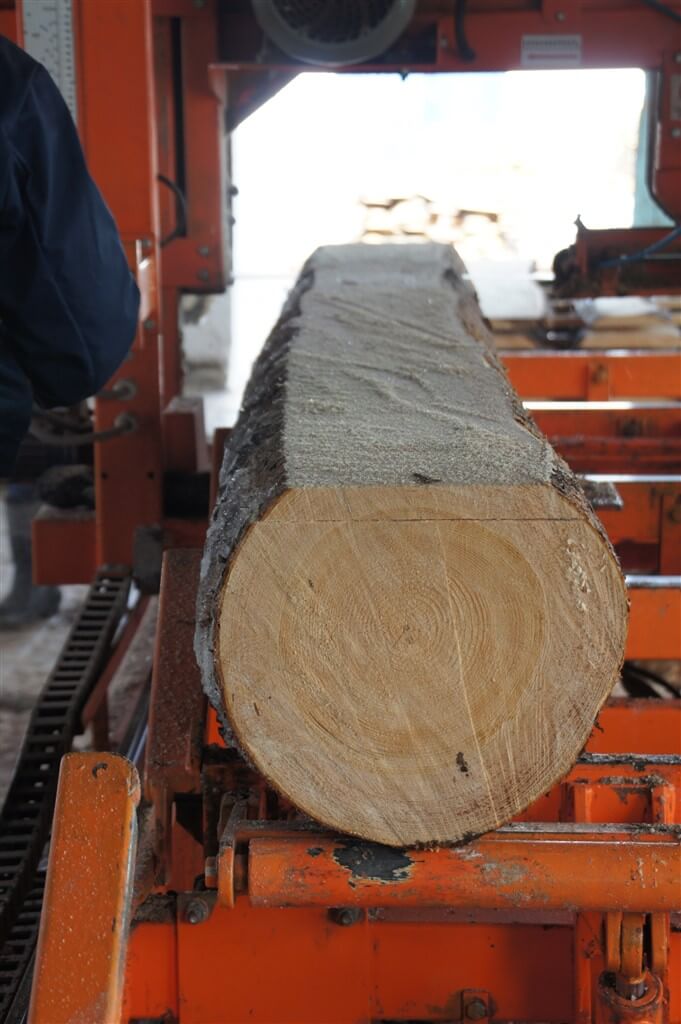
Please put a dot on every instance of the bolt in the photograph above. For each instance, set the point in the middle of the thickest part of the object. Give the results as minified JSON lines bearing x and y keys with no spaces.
{"x":149,"y":324}
{"x":631,"y":428}
{"x":126,"y":423}
{"x":196,"y":912}
{"x":345,"y":916}
{"x":202,"y":274}
{"x":203,"y":250}
{"x":124,"y":389}
{"x":476,"y":1009}
{"x":560,"y":15}
{"x":444,"y":42}
{"x":146,"y":245}
{"x":211,"y":869}
{"x":676,"y":133}
{"x":677,"y":58}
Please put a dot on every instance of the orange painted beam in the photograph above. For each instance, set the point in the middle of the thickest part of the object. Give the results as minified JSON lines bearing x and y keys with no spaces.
{"x":64,"y":546}
{"x":581,"y":375}
{"x":500,"y":870}
{"x":9,"y":26}
{"x":85,"y":916}
{"x":638,"y":726}
{"x":654,"y":623}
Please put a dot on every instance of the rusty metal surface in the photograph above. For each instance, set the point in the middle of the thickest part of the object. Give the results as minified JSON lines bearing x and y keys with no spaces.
{"x":549,"y":870}
{"x":85,"y":919}
{"x":177,"y":701}
{"x":96,"y":708}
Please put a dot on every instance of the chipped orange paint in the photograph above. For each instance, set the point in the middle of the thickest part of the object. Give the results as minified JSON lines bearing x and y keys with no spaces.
{"x":499,"y":870}
{"x":85,"y":918}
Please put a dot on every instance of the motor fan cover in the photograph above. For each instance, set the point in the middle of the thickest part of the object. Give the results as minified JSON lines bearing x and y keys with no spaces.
{"x":333,"y":33}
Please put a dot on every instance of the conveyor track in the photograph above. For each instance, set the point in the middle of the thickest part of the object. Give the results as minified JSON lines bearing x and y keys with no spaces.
{"x":26,"y":816}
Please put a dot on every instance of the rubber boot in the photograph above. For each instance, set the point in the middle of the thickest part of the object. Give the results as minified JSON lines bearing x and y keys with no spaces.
{"x":25,"y":603}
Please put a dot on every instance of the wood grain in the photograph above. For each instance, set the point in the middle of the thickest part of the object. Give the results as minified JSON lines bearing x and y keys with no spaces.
{"x":409,"y":616}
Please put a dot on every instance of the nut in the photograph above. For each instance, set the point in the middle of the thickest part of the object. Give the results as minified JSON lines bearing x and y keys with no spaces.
{"x":197,"y":912}
{"x":346,"y":916}
{"x":476,"y":1010}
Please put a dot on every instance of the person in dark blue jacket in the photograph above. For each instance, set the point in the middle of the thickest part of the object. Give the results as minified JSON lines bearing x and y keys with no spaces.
{"x":68,"y":302}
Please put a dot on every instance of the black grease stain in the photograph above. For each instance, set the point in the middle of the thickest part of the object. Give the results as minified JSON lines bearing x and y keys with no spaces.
{"x":461,"y":763}
{"x":423,"y":478}
{"x":101,"y":766}
{"x":373,"y":861}
{"x":315,"y":851}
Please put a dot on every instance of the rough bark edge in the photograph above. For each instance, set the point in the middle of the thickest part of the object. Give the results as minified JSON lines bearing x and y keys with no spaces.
{"x":252,"y":477}
{"x":562,"y":477}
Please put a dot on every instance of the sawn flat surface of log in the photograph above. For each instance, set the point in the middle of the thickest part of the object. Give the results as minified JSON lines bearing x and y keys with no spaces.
{"x":409,"y":616}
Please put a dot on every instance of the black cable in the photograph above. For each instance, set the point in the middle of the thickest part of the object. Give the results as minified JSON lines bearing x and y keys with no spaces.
{"x":661,"y":8}
{"x":61,"y":420}
{"x":465,"y":51}
{"x":644,"y":254}
{"x":124,"y":424}
{"x":180,"y":229}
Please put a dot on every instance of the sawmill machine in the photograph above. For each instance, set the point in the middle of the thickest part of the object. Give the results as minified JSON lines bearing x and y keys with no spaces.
{"x":179,"y":888}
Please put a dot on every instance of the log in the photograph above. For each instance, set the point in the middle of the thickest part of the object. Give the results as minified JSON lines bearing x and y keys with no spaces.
{"x":409,"y":615}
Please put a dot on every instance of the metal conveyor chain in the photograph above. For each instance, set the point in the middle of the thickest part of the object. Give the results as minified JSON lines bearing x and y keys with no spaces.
{"x":17,"y":954}
{"x":26,"y":816}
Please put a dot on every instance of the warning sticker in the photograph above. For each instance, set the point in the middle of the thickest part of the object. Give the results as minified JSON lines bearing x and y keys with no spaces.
{"x":551,"y":52}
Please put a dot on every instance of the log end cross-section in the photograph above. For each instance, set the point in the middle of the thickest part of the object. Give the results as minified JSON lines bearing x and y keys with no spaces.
{"x":409,"y":616}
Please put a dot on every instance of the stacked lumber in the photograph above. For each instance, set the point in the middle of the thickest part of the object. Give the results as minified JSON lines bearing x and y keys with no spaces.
{"x":627,"y":322}
{"x":409,"y":615}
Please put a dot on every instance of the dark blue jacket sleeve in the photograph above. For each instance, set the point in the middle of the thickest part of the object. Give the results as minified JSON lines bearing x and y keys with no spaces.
{"x":15,"y":406}
{"x":68,"y":301}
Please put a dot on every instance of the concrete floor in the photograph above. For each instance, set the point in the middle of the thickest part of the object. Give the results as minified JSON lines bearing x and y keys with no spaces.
{"x":26,"y":659}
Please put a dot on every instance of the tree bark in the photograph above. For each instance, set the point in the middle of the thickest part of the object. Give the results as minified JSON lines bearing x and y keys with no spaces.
{"x":409,"y":615}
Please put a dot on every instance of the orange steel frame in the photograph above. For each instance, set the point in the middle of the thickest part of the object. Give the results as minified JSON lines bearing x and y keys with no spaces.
{"x":241,"y":912}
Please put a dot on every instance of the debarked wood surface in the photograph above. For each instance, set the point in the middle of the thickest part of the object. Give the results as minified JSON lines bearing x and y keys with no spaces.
{"x":409,"y":616}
